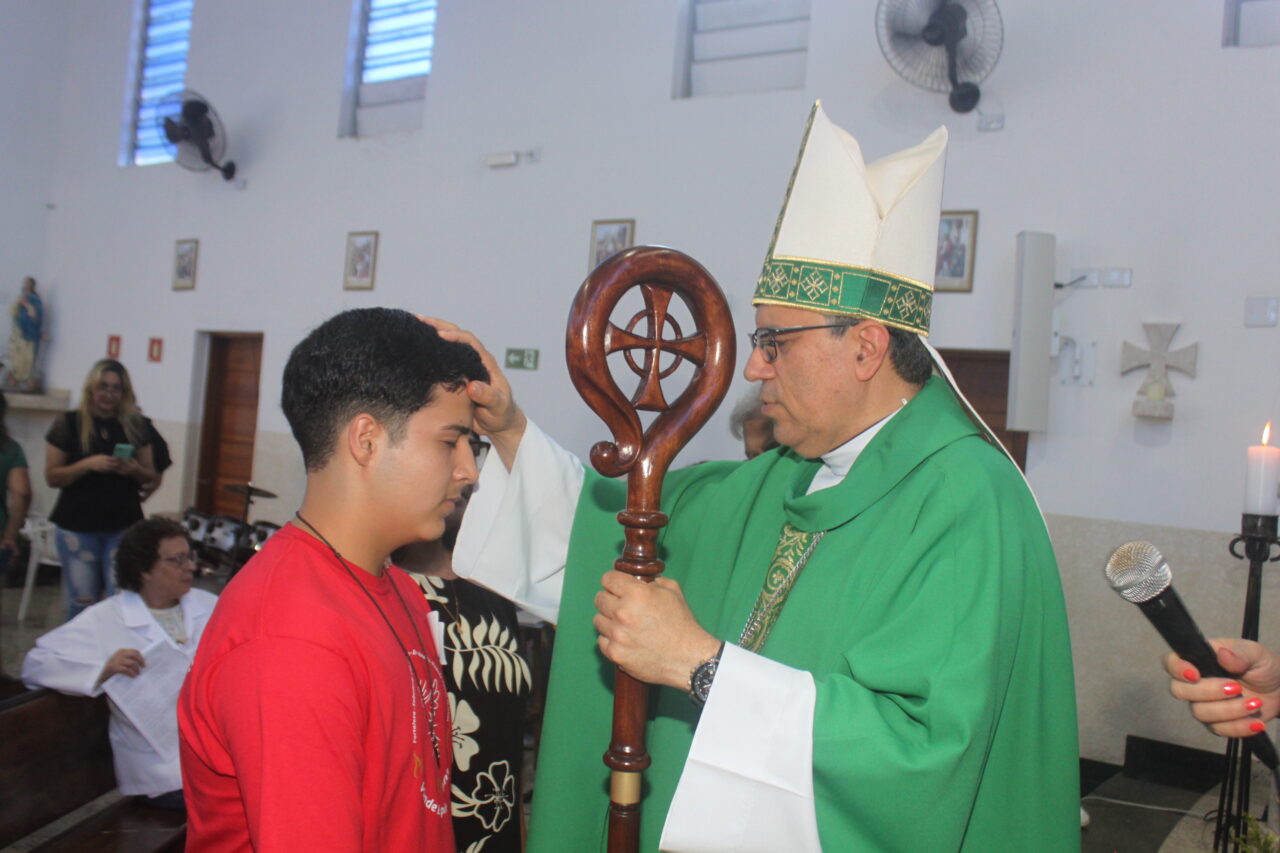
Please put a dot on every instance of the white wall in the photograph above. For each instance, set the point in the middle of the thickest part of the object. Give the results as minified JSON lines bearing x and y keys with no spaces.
{"x":1135,"y":150}
{"x":32,"y":62}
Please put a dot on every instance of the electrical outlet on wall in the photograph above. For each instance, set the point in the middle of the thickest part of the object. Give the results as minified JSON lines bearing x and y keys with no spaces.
{"x":1117,"y":277}
{"x":1077,"y":361}
{"x":1262,"y":311}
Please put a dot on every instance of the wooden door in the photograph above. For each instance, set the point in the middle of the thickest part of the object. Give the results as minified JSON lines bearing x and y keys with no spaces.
{"x":230,"y":420}
{"x":983,"y":376}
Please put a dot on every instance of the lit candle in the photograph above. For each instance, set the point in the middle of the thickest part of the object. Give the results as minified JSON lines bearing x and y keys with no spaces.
{"x":1263,"y":477}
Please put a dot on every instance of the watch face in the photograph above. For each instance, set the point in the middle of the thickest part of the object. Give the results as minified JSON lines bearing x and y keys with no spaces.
{"x":701,"y":680}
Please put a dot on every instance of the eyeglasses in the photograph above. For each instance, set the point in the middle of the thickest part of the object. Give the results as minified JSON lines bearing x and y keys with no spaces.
{"x":480,"y":448}
{"x":179,"y":559}
{"x":104,"y":388}
{"x":766,"y":339}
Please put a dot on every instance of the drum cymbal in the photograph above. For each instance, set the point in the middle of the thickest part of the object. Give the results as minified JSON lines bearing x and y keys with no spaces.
{"x":250,"y":490}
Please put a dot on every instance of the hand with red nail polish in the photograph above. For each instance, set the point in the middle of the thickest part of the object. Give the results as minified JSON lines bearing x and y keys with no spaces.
{"x":1231,"y":707}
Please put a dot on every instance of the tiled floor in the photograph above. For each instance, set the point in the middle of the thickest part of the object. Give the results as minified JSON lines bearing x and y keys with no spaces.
{"x":1187,"y":828}
{"x":44,"y":613}
{"x":1113,"y":828}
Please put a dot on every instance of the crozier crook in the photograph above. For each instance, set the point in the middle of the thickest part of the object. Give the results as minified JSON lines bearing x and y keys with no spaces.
{"x":645,"y":454}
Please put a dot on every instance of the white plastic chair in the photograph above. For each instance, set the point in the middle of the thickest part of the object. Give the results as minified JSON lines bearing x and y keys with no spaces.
{"x":39,"y":531}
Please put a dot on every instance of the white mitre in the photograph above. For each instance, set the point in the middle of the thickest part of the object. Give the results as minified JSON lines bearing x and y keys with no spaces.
{"x":854,"y":238}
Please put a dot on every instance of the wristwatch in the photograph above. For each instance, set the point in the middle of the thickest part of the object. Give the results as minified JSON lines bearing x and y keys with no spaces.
{"x":702,"y":676}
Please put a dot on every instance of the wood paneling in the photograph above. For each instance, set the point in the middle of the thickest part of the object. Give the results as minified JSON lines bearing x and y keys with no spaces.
{"x":230,"y":421}
{"x":54,"y":757}
{"x":983,"y":377}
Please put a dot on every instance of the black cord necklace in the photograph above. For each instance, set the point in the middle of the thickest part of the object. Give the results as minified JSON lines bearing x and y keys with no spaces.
{"x":429,"y":699}
{"x":447,"y":595}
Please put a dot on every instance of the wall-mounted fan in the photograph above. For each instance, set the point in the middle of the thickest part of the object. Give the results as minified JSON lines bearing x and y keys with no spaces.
{"x":196,"y":136}
{"x":942,"y":45}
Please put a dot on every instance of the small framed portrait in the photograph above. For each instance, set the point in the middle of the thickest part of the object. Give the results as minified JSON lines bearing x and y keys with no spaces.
{"x":610,"y":236}
{"x":185,"y":255}
{"x":362,"y":260}
{"x":957,"y":243}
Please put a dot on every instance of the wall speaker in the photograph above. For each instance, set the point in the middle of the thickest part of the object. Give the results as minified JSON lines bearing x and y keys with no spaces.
{"x":1029,"y":361}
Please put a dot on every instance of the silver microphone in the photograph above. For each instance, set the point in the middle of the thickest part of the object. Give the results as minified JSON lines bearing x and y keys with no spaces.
{"x":1138,"y":572}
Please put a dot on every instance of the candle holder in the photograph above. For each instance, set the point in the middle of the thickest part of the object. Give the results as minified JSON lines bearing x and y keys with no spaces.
{"x":1258,"y":536}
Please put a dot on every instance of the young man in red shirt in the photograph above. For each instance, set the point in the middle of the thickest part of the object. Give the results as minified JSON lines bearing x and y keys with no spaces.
{"x":315,"y":715}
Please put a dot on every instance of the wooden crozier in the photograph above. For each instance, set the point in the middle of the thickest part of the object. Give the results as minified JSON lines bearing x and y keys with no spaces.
{"x":644,"y":455}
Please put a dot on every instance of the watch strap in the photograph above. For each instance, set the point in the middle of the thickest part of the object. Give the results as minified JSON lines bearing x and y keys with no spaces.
{"x":702,"y":676}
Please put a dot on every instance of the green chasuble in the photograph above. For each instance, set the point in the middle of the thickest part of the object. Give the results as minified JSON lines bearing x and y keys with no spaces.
{"x":930,"y":616}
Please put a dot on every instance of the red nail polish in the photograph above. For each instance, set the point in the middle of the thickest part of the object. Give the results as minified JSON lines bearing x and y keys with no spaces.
{"x":1257,"y":726}
{"x":1191,"y":675}
{"x":1231,"y":689}
{"x":1252,"y":704}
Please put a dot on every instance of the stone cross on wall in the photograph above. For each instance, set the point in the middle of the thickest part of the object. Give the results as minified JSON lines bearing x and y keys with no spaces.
{"x":1154,"y":393}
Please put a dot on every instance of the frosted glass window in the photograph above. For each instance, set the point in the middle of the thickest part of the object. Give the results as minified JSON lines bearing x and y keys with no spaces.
{"x":389,"y":59}
{"x":162,"y":37}
{"x":1251,"y":23}
{"x":732,"y":46}
{"x":399,"y":38}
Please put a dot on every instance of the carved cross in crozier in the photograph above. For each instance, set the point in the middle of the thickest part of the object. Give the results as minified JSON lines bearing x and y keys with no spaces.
{"x":657,"y":301}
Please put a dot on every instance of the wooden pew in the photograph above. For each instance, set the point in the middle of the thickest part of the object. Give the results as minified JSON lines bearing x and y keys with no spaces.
{"x":54,"y":758}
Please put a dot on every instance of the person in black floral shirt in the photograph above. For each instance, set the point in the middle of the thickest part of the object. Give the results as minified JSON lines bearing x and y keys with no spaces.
{"x":489,"y":682}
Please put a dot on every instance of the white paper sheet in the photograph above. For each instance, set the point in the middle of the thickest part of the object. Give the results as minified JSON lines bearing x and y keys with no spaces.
{"x":150,"y":701}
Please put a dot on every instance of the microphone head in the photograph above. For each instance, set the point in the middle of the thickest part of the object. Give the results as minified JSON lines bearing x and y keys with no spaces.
{"x":1138,"y":572}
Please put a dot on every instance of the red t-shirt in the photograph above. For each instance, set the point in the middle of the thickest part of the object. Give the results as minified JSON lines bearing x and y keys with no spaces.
{"x":301,"y":725}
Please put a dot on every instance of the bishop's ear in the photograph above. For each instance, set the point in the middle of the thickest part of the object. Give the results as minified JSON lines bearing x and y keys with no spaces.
{"x":871,"y":348}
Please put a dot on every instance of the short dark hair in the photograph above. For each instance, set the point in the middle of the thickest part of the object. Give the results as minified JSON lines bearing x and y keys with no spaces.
{"x":382,"y":361}
{"x":139,"y":549}
{"x":907,"y":353}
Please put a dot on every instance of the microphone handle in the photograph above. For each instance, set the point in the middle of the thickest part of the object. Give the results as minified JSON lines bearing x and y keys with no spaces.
{"x":1170,"y":617}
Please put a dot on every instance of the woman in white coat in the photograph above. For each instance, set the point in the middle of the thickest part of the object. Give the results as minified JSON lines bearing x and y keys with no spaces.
{"x":155,"y":605}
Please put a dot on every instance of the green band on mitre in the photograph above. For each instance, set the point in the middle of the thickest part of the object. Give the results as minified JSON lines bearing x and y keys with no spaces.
{"x":838,"y":289}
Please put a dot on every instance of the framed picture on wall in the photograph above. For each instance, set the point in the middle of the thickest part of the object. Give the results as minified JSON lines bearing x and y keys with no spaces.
{"x":362,"y":259}
{"x":185,"y":255}
{"x":957,"y":243}
{"x":610,"y":236}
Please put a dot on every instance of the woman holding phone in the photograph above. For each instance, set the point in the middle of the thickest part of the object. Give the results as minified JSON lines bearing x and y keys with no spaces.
{"x":97,"y":456}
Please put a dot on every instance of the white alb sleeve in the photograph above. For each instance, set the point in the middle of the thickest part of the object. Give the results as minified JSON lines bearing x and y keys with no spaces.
{"x":65,"y":659}
{"x":747,"y":784}
{"x":515,"y":533}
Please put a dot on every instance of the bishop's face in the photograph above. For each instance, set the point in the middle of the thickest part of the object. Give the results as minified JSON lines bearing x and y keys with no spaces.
{"x":808,"y":391}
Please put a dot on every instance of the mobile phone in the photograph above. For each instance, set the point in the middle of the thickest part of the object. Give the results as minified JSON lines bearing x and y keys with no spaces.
{"x":123,"y":451}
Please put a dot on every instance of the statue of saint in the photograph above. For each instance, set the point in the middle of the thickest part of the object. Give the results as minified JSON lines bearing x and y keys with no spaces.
{"x":24,"y":340}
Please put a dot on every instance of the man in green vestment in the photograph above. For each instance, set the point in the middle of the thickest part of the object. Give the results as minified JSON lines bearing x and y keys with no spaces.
{"x":869,"y":618}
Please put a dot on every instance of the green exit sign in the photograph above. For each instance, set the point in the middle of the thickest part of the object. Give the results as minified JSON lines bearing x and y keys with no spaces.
{"x":522,"y":359}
